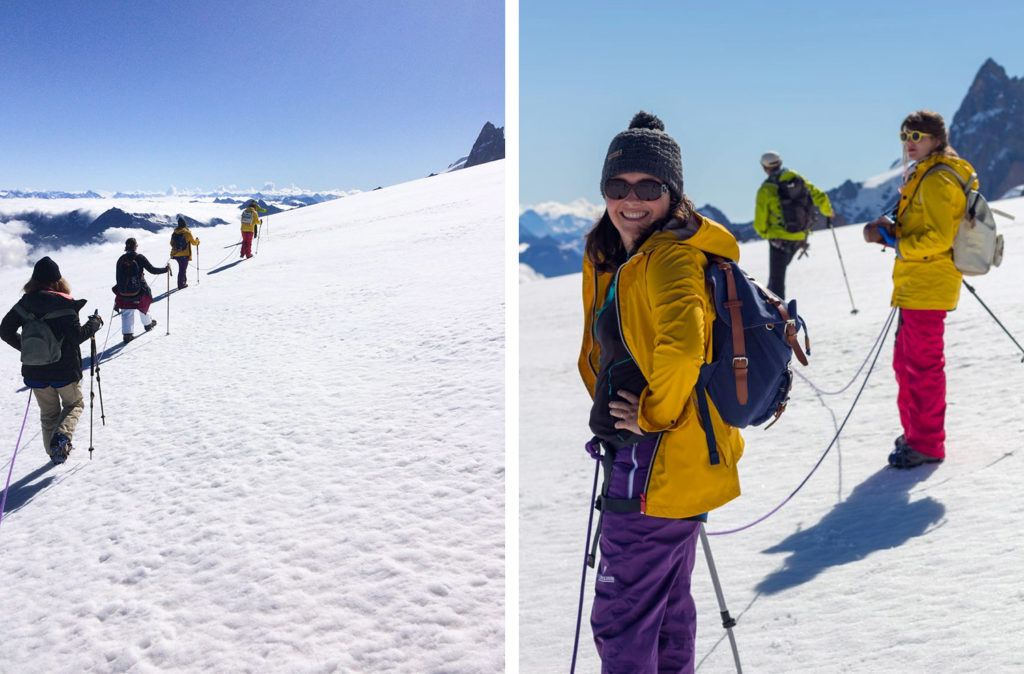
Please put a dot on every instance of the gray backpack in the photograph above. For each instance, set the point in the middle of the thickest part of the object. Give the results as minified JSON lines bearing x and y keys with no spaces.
{"x":977,"y":246}
{"x":39,"y":346}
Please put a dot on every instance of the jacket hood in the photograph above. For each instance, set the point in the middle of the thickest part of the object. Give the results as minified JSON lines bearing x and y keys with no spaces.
{"x":962,"y":166}
{"x":44,"y":302}
{"x":702,"y":233}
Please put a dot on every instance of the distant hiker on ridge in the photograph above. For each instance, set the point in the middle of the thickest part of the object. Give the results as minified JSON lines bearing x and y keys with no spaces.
{"x":181,"y":249}
{"x":647,"y":331}
{"x":51,"y":361}
{"x":132,"y":292}
{"x":250,"y":221}
{"x":926,"y":282}
{"x":784,"y":214}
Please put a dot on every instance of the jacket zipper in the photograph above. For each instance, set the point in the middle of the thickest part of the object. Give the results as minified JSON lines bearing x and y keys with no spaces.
{"x":622,"y":338}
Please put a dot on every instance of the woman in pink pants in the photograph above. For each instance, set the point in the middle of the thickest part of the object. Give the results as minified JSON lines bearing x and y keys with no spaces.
{"x":926,"y":283}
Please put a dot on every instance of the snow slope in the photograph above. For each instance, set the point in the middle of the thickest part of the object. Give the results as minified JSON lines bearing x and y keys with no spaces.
{"x":305,"y":475}
{"x":866,"y":569}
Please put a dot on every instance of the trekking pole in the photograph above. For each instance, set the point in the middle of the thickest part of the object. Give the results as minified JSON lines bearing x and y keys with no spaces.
{"x":841,"y":265}
{"x":99,"y":386}
{"x":198,"y":275}
{"x":3,"y":501}
{"x":728,"y":622}
{"x":971,"y":288}
{"x":168,"y":298}
{"x":586,"y":563}
{"x":92,"y":372}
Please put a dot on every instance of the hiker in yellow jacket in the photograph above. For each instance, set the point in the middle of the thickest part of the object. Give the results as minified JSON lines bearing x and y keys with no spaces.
{"x":647,"y":331}
{"x":786,"y":232}
{"x":250,"y":220}
{"x":181,"y":249}
{"x":926,"y":283}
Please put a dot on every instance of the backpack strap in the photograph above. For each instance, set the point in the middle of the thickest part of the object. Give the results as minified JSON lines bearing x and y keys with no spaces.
{"x":29,"y":316}
{"x":739,"y":348}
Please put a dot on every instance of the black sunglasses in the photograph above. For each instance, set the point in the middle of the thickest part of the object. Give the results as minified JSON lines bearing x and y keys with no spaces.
{"x":645,"y":190}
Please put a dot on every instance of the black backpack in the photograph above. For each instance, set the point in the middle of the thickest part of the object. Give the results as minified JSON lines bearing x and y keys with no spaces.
{"x":39,"y":346}
{"x":129,"y":275}
{"x":179,"y":242}
{"x":798,"y":210}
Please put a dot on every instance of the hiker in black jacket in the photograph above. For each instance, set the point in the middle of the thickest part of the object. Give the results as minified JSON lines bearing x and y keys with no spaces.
{"x":57,"y":385}
{"x":132,"y":290}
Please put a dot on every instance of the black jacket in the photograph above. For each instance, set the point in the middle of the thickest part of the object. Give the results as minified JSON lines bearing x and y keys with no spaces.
{"x":69,"y":367}
{"x":143,"y":264}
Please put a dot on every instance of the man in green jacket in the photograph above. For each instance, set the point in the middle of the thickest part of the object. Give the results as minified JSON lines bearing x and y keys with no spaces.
{"x":784,"y":215}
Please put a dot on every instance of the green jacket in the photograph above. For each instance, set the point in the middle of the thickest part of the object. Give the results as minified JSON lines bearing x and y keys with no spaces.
{"x":768,"y":212}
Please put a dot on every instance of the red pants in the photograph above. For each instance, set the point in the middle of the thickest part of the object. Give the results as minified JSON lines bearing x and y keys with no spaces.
{"x":918,"y":361}
{"x":246,"y":244}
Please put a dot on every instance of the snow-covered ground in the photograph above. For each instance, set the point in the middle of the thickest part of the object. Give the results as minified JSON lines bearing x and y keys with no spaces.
{"x":305,"y":475}
{"x":866,"y":569}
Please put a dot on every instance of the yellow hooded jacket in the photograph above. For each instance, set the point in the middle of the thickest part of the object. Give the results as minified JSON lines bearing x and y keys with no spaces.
{"x":192,"y":241}
{"x":924,"y":276}
{"x":665,"y":314}
{"x":255,"y":220}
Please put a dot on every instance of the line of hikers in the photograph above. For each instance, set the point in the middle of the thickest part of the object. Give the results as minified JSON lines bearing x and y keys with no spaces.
{"x":44,"y":326}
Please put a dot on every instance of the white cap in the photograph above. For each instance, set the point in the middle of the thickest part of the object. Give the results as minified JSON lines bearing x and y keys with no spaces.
{"x":771,"y":159}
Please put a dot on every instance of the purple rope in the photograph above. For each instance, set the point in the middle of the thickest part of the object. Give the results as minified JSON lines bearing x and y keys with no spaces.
{"x":3,"y":501}
{"x":835,"y":437}
{"x":885,"y":329}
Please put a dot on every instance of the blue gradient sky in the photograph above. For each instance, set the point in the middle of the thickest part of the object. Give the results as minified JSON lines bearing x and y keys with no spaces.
{"x":825,"y":84}
{"x":122,"y":95}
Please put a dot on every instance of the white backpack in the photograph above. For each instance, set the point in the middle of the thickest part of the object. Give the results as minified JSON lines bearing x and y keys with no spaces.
{"x":247,"y":216}
{"x":977,"y":246}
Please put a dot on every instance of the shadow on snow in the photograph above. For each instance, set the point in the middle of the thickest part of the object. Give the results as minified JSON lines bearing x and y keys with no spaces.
{"x":878,"y":515}
{"x":23,"y":491}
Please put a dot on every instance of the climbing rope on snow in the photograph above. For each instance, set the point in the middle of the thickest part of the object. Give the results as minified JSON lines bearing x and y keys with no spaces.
{"x":878,"y":350}
{"x":819,"y":391}
{"x":3,"y":501}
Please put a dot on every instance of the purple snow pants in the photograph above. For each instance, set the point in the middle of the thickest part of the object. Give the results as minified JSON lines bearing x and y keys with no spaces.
{"x":182,"y":271}
{"x":644,"y":618}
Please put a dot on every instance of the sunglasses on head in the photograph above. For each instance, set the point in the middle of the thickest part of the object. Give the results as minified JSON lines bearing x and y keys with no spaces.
{"x":645,"y":190}
{"x":913,"y":135}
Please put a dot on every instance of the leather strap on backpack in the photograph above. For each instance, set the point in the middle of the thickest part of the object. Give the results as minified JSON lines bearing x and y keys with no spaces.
{"x":739,"y":348}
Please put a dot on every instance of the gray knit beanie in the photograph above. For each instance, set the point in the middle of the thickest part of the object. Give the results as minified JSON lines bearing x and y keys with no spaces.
{"x":645,"y":148}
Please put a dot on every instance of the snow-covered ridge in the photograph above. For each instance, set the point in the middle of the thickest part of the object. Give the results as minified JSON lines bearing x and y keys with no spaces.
{"x":302,"y":471}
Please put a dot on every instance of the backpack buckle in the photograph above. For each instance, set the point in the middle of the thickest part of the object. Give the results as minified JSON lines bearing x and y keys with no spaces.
{"x":740,"y":363}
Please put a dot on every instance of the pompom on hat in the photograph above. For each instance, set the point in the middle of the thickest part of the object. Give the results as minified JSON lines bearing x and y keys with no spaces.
{"x":46,"y":271}
{"x":645,"y":148}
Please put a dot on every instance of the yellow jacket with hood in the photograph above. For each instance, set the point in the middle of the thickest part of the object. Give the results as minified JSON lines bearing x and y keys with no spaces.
{"x":255,"y":220}
{"x":189,"y":239}
{"x":665,"y":313}
{"x":924,"y":276}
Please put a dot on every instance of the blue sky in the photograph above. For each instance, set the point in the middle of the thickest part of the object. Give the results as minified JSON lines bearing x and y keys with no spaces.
{"x":349,"y":94}
{"x":825,"y":84}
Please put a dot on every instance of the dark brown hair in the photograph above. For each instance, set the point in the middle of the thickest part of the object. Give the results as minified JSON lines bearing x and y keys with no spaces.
{"x":604,"y":245}
{"x":932,"y":123}
{"x":61,"y":286}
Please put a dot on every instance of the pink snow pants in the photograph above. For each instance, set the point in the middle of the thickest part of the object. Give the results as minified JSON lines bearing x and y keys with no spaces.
{"x":919,"y":364}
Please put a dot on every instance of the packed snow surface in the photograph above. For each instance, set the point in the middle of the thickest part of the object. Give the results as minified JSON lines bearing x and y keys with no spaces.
{"x":867,"y":569}
{"x":305,"y":475}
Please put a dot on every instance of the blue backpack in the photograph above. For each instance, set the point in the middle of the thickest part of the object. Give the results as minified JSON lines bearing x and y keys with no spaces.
{"x":753,"y":338}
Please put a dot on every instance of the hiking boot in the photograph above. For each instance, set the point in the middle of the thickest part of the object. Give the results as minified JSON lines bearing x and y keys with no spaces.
{"x":60,"y":447}
{"x":905,"y":456}
{"x":127,"y":337}
{"x":151,"y":325}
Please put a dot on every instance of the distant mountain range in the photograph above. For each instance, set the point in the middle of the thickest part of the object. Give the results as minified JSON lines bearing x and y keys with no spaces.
{"x":987,"y":130}
{"x":48,"y":227}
